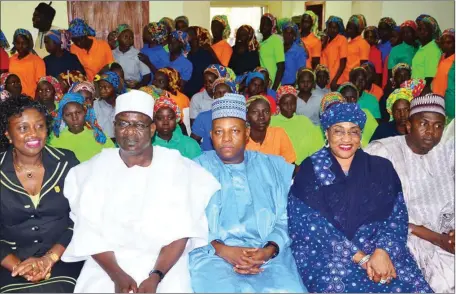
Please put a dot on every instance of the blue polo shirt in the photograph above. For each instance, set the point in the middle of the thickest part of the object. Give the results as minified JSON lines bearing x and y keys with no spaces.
{"x":202,"y":128}
{"x":157,"y":56}
{"x":183,"y":66}
{"x":295,"y":58}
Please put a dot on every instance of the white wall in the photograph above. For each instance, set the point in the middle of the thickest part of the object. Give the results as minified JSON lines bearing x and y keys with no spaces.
{"x":342,"y":9}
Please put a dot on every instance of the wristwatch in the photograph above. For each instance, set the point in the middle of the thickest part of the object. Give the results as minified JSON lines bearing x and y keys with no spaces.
{"x":275,"y":246}
{"x":160,"y":274}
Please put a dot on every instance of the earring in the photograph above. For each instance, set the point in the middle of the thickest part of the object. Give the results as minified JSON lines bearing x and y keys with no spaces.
{"x":326,"y":143}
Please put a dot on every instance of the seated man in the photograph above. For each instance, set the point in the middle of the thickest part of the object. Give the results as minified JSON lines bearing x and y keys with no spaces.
{"x":135,"y":208}
{"x":249,"y":249}
{"x":426,"y":169}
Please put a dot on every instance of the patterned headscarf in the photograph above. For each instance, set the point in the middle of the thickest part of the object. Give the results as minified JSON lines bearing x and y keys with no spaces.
{"x":372,"y":29}
{"x":280,"y":23}
{"x":174,"y":78}
{"x":202,"y":35}
{"x":223,"y":19}
{"x":158,"y":31}
{"x":4,"y":95}
{"x":349,"y":85}
{"x":168,"y":22}
{"x":329,"y":100}
{"x":448,"y":32}
{"x":286,"y":90}
{"x":61,"y":37}
{"x":436,"y":32}
{"x":123,"y":27}
{"x":397,"y":94}
{"x":225,"y":81}
{"x":409,"y":23}
{"x":3,"y":41}
{"x":401,"y":66}
{"x":82,"y":86}
{"x":56,"y":84}
{"x":416,"y":86}
{"x":343,"y":112}
{"x":217,"y":69}
{"x":230,"y":74}
{"x":182,"y":37}
{"x":388,"y":21}
{"x":359,"y":20}
{"x":252,"y":99}
{"x":182,"y":18}
{"x":290,"y":24}
{"x":273,"y":20}
{"x":314,"y":17}
{"x":166,"y":102}
{"x":112,"y":78}
{"x":79,"y":28}
{"x":321,"y":67}
{"x":72,"y":77}
{"x":302,"y":70}
{"x":3,"y":77}
{"x":90,"y":117}
{"x":253,"y":43}
{"x":28,"y":37}
{"x":338,"y":21}
{"x":154,"y":92}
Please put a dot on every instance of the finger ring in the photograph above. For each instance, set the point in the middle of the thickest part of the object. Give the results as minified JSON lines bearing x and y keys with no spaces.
{"x":382,"y":281}
{"x":33,"y":266}
{"x":48,"y":276}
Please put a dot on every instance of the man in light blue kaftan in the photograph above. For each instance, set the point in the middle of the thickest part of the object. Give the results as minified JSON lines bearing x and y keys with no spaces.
{"x":248,"y":214}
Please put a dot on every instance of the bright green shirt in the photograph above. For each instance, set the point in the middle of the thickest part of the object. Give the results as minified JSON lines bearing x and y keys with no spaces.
{"x":83,"y":144}
{"x":185,"y":145}
{"x":426,"y":61}
{"x":166,"y":48}
{"x":271,"y":53}
{"x":369,"y":128}
{"x":368,"y":101}
{"x":306,"y":137}
{"x":402,"y":53}
{"x":449,"y":94}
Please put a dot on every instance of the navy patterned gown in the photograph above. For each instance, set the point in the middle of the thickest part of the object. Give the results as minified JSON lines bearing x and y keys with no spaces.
{"x":332,"y":215}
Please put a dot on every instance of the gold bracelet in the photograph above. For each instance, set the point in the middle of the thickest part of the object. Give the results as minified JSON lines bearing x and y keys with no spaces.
{"x":53,"y":256}
{"x":48,"y":276}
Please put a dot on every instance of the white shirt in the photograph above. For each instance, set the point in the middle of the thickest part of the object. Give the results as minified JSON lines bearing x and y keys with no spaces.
{"x":133,"y":68}
{"x":200,"y":102}
{"x":105,"y":115}
{"x":311,"y":108}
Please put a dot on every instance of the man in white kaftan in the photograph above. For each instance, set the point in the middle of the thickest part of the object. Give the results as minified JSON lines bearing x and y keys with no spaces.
{"x":428,"y":183}
{"x":136,"y":211}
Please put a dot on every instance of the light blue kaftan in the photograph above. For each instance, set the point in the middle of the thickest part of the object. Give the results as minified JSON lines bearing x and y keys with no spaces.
{"x":249,"y":211}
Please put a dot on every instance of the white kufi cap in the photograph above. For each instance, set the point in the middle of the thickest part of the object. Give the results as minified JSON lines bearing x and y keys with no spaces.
{"x":135,"y":101}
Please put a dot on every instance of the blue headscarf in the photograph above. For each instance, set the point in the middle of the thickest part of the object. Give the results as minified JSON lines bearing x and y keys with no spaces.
{"x":182,"y":37}
{"x":112,"y":78}
{"x":290,"y":24}
{"x":3,"y":41}
{"x":338,"y":21}
{"x":61,"y":37}
{"x":253,"y":75}
{"x":79,"y":28}
{"x":28,"y":37}
{"x":343,"y":112}
{"x":90,"y":117}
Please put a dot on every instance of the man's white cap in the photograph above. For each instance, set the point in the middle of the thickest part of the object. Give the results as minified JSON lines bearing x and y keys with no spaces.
{"x":135,"y":101}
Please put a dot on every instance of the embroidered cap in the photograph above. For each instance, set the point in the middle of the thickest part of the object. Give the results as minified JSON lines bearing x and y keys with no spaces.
{"x":230,"y":105}
{"x":428,"y":103}
{"x":135,"y":101}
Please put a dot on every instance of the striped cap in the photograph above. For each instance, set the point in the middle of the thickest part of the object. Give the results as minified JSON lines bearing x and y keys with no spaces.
{"x":428,"y":103}
{"x":230,"y":105}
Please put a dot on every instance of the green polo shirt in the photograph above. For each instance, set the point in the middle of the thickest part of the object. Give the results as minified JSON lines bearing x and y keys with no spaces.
{"x":271,"y":53}
{"x":449,"y":94}
{"x":185,"y":145}
{"x":368,"y":101}
{"x":402,"y":53}
{"x":426,"y":61}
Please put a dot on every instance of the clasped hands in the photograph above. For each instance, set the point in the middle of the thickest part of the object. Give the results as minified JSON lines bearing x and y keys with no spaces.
{"x":34,"y":269}
{"x":379,"y":268}
{"x":246,"y":261}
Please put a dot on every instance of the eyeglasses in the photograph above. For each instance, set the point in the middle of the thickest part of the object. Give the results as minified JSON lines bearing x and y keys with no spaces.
{"x":340,"y":133}
{"x":123,"y":125}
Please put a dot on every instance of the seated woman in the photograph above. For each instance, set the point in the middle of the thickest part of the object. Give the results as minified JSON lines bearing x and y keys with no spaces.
{"x":201,"y":128}
{"x":347,"y":216}
{"x":304,"y":135}
{"x":35,"y":223}
{"x":110,"y":87}
{"x":401,"y":72}
{"x":263,"y":138}
{"x":350,"y":94}
{"x":371,"y":87}
{"x":358,"y":76}
{"x":267,"y":81}
{"x":244,"y":255}
{"x":255,"y":83}
{"x":49,"y":93}
{"x":11,"y":83}
{"x":398,"y":106}
{"x":87,"y":90}
{"x":167,"y":115}
{"x":82,"y":135}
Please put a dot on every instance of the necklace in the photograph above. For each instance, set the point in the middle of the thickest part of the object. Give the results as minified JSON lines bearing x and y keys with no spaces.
{"x":28,"y":171}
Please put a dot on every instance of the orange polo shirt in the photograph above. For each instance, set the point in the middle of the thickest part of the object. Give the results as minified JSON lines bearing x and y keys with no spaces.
{"x":332,"y":54}
{"x":181,"y":100}
{"x":440,"y":81}
{"x":29,"y":70}
{"x":223,"y":51}
{"x":376,"y":91}
{"x":93,"y":61}
{"x":313,"y":45}
{"x":358,"y":49}
{"x":276,"y":142}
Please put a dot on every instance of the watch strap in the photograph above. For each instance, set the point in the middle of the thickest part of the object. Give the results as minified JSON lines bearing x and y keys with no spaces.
{"x":160,"y":274}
